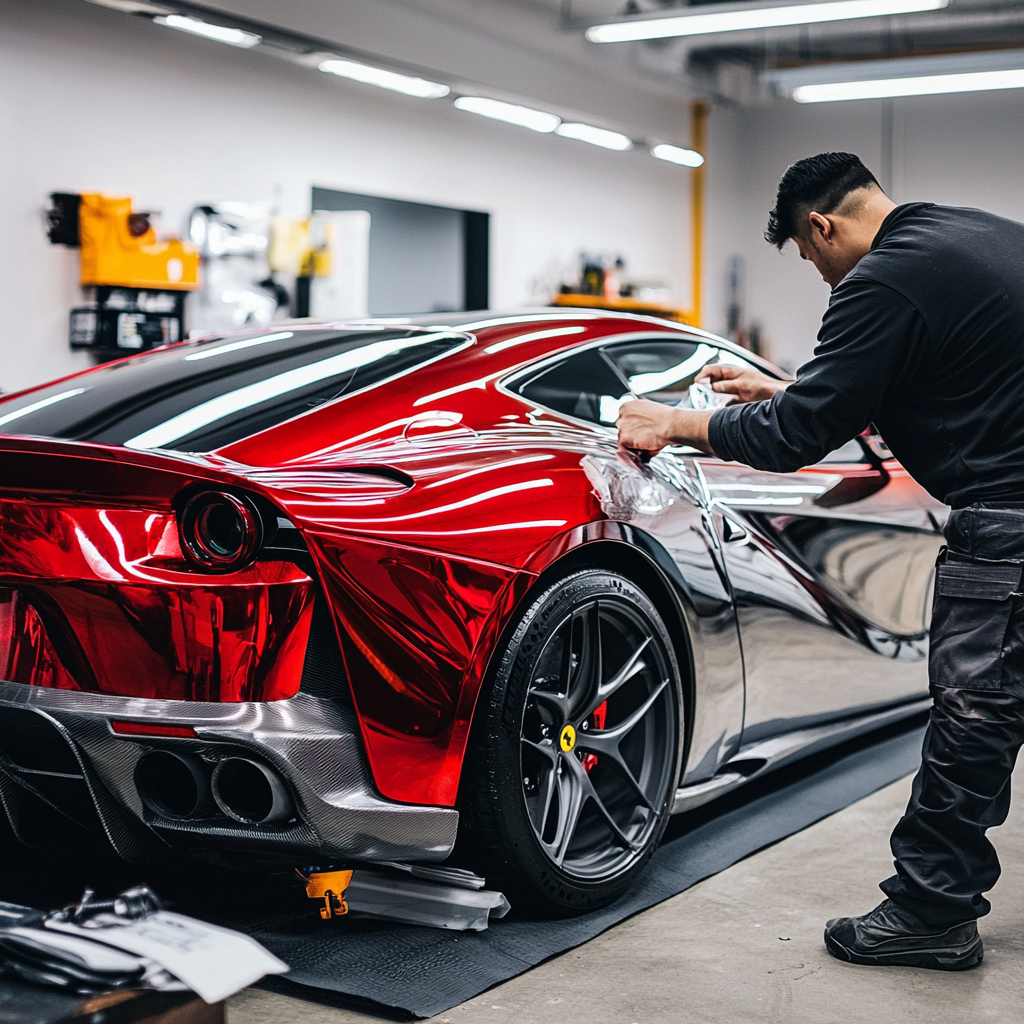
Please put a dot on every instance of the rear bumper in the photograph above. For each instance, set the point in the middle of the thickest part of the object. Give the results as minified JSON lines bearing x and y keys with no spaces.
{"x":83,"y":771}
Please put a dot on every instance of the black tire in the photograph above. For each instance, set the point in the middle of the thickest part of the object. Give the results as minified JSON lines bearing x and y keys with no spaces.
{"x":607,"y":782}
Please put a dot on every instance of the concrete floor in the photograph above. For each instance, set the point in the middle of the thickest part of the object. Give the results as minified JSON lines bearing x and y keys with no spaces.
{"x":745,"y":946}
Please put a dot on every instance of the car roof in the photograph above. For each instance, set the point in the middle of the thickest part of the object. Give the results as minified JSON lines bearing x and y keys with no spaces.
{"x":139,"y":402}
{"x":482,"y":322}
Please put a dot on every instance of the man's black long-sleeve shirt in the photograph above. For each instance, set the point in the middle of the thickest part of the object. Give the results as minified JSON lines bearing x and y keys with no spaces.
{"x":924,"y":338}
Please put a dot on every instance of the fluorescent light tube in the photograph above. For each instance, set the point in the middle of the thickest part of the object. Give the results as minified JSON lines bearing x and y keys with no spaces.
{"x":755,"y":17}
{"x":677,"y":155}
{"x":510,"y":113}
{"x":407,"y":84}
{"x":595,"y":136}
{"x":925,"y":85}
{"x":782,"y":81}
{"x":231,"y":36}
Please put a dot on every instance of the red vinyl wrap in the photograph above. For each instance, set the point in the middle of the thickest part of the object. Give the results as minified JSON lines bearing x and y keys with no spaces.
{"x":26,"y":653}
{"x":421,"y":579}
{"x":451,"y":404}
{"x":99,"y":600}
{"x":416,"y":630}
{"x":418,"y":625}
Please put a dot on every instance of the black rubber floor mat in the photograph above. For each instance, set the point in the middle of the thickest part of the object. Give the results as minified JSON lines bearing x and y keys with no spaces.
{"x":423,"y":971}
{"x":405,"y":972}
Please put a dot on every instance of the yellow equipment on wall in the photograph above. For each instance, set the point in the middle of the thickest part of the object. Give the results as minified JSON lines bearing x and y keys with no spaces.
{"x":120,"y":248}
{"x":135,"y":283}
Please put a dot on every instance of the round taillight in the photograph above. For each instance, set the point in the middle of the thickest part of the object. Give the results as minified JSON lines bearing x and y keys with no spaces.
{"x":220,"y":531}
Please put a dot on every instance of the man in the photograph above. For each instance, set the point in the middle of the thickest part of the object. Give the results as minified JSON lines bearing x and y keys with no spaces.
{"x":924,"y":337}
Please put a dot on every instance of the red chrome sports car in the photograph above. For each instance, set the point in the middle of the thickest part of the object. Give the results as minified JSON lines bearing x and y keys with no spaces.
{"x":328,"y":594}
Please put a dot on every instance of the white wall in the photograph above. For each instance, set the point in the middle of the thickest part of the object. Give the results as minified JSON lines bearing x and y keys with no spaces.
{"x":965,"y":150}
{"x":95,"y":100}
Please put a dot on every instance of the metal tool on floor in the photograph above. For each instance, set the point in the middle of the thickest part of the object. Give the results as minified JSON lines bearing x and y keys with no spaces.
{"x":449,"y":898}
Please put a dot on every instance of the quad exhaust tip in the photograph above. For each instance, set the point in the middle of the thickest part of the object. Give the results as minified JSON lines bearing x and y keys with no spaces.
{"x":179,"y":787}
{"x":173,"y":785}
{"x":250,"y":792}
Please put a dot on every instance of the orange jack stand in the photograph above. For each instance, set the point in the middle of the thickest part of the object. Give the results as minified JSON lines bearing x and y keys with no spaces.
{"x":329,"y":886}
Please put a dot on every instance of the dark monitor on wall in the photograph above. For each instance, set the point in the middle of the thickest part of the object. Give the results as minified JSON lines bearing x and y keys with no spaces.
{"x":423,"y":258}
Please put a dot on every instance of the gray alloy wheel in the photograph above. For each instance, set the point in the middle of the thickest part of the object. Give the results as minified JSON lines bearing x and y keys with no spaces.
{"x":576,"y":767}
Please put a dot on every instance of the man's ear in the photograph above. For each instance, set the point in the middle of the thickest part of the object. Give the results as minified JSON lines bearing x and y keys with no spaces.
{"x":820,"y":225}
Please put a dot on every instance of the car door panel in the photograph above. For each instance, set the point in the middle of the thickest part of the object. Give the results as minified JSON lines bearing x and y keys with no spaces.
{"x":832,"y":599}
{"x":663,"y":504}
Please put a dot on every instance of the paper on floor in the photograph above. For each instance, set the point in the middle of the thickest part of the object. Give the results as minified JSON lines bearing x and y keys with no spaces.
{"x":214,"y":962}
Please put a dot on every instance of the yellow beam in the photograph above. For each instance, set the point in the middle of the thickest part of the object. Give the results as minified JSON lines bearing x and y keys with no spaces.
{"x":698,"y":142}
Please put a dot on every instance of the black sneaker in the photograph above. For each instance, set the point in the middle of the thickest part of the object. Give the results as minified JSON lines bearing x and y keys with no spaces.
{"x":891,"y":936}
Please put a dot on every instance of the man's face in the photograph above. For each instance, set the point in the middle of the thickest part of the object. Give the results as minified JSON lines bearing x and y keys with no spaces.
{"x":836,"y":242}
{"x":832,"y":262}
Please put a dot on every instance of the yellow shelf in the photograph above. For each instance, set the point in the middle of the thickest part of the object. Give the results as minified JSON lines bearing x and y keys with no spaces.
{"x":682,"y":316}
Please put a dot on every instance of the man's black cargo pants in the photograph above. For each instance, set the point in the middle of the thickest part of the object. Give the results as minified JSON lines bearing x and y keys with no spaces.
{"x":944,"y":862}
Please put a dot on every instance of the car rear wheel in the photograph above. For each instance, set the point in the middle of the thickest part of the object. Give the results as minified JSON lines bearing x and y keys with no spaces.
{"x":576,"y":750}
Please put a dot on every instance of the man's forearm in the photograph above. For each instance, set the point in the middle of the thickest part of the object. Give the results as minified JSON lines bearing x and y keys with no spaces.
{"x":690,"y":428}
{"x":648,"y":426}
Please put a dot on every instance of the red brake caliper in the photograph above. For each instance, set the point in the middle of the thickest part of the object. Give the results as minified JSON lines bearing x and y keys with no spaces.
{"x":596,"y":721}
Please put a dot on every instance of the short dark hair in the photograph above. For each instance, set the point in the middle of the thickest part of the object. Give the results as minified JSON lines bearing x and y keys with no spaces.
{"x":819,"y":183}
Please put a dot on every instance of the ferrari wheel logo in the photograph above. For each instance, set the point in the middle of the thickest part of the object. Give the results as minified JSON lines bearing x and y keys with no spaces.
{"x":568,"y":738}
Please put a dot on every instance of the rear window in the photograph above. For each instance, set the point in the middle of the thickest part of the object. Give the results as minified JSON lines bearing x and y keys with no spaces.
{"x":204,"y":396}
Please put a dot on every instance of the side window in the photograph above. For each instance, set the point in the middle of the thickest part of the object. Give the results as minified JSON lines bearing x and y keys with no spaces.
{"x":664,"y":370}
{"x":585,"y":386}
{"x":593,"y":384}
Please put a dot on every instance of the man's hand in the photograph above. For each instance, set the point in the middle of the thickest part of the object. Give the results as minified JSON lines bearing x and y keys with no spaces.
{"x":747,"y":384}
{"x":650,"y":426}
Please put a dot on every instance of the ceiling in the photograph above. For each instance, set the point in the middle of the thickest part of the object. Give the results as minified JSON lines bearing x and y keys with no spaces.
{"x":534,"y":50}
{"x":737,"y":67}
